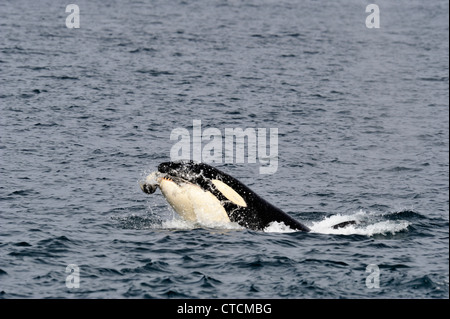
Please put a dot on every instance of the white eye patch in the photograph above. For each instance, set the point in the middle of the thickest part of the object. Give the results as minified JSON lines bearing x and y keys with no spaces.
{"x":229,"y":193}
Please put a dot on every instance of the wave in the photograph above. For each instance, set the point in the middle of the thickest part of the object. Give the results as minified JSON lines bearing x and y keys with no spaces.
{"x":367,"y":223}
{"x":173,"y":223}
{"x":177,"y":223}
{"x":278,"y":227}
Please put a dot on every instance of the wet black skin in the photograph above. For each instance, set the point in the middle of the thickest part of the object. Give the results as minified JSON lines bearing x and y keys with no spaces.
{"x":344,"y":224}
{"x":257,"y":215}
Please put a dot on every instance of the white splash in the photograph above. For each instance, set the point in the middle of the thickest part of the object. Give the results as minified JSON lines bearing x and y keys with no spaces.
{"x":278,"y":227}
{"x":153,"y":178}
{"x":367,"y":223}
{"x":177,"y":223}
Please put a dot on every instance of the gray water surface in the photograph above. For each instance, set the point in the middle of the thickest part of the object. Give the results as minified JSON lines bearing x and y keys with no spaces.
{"x":363,"y":132}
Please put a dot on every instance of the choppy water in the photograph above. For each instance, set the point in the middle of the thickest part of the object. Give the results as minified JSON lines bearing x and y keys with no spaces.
{"x":362,"y":116}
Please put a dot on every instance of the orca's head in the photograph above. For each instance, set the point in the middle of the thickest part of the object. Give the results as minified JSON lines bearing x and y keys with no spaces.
{"x":208,"y":178}
{"x":171,"y":175}
{"x":188,"y":188}
{"x":176,"y":168}
{"x":190,"y":171}
{"x":179,"y":172}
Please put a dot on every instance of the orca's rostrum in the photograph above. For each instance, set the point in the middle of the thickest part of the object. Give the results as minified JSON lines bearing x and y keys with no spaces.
{"x":201,"y":193}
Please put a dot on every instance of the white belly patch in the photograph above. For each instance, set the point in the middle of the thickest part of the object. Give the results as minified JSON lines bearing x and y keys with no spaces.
{"x":192,"y":203}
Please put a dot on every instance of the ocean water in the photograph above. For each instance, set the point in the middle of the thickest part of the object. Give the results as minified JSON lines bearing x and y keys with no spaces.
{"x":363,"y":134}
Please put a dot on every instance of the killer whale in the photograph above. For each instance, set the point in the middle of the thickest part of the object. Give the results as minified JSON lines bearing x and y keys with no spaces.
{"x":200,"y":191}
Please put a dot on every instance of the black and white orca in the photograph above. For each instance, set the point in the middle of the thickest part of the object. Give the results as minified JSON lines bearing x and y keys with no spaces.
{"x":200,"y":192}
